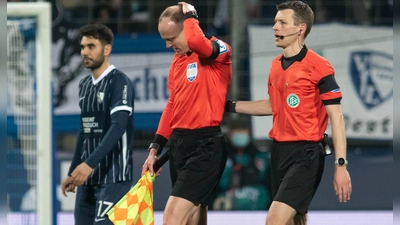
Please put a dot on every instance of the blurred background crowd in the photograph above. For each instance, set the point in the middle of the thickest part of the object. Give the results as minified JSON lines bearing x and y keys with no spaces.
{"x":138,"y":16}
{"x":244,"y":184}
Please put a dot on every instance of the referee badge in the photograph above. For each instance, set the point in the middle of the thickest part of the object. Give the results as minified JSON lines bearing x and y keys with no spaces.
{"x":100,"y":97}
{"x":191,"y":71}
{"x":222,"y":47}
{"x":293,"y":100}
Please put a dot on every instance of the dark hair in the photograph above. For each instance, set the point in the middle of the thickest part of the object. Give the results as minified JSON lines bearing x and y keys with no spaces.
{"x":98,"y":31}
{"x":175,"y":14}
{"x":302,"y":13}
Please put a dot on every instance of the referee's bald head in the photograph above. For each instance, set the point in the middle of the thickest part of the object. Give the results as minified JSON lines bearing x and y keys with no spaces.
{"x":174,"y":13}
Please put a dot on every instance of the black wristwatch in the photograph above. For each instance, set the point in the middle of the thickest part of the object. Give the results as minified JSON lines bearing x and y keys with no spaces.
{"x":341,"y":162}
{"x":154,"y":145}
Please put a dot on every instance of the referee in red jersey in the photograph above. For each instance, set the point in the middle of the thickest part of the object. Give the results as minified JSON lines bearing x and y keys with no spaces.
{"x":198,"y":83}
{"x":303,"y":94}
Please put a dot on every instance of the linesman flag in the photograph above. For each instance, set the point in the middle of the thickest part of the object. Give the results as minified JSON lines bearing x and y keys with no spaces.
{"x":136,"y":207}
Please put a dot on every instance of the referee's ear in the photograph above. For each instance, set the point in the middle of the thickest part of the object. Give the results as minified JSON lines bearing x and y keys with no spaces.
{"x":107,"y":49}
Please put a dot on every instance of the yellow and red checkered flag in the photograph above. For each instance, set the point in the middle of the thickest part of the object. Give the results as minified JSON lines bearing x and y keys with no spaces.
{"x":136,"y":207}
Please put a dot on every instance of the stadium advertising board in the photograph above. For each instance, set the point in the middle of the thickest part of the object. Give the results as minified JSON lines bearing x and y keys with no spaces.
{"x":363,"y":61}
{"x":148,"y":72}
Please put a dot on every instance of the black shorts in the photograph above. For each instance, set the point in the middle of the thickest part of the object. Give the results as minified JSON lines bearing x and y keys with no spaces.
{"x":93,"y":202}
{"x":296,"y":171}
{"x":197,"y":160}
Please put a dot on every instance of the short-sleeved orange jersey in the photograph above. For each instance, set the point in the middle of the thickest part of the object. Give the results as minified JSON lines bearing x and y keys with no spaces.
{"x":198,"y":86}
{"x":297,"y":108}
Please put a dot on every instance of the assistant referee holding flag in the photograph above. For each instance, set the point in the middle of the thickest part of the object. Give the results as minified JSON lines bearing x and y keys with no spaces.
{"x":101,"y":168}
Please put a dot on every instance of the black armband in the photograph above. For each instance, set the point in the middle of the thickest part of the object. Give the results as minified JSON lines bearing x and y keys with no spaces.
{"x":335,"y":101}
{"x":215,"y":50}
{"x":191,"y":14}
{"x":158,"y":143}
{"x":230,"y":106}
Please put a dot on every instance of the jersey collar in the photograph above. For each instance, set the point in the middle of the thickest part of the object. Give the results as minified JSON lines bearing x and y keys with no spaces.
{"x":105,"y":73}
{"x":286,"y":62}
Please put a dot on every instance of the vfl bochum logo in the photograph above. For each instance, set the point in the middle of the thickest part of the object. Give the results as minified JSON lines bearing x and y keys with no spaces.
{"x":191,"y":71}
{"x":372,"y":76}
{"x":100,"y":97}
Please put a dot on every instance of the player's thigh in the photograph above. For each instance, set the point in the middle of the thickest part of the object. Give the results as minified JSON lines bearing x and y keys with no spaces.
{"x":107,"y":196}
{"x":178,"y":210}
{"x":85,"y":205}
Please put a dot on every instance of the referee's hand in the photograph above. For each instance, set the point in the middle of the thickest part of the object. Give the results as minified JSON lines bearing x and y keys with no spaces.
{"x":150,"y":161}
{"x":342,"y":184}
{"x":186,"y":7}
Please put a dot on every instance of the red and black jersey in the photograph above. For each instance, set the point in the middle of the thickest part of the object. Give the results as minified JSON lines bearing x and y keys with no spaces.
{"x":198,"y":83}
{"x":298,"y":91}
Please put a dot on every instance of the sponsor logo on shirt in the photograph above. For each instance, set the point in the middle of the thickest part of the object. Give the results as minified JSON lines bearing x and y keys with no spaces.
{"x":293,"y":100}
{"x":88,"y":124}
{"x":191,"y":71}
{"x":222,"y":47}
{"x":335,"y":90}
{"x":372,"y":76}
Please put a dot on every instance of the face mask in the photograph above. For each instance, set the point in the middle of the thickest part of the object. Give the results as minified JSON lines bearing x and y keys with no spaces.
{"x":240,"y":140}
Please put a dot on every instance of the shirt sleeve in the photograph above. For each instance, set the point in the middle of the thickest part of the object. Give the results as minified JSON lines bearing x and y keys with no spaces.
{"x":122,"y":94}
{"x":117,"y":129}
{"x":329,"y":90}
{"x":195,"y":38}
{"x":76,"y":159}
{"x":327,"y":85}
{"x":164,"y":127}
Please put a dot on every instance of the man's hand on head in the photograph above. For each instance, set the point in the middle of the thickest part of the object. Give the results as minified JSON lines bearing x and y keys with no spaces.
{"x":186,"y":7}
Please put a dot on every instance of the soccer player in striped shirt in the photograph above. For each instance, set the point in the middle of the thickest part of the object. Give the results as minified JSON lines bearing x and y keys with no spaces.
{"x":101,"y":168}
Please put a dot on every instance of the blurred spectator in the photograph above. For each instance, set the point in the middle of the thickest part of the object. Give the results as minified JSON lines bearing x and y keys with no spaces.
{"x":253,"y":10}
{"x":74,"y":11}
{"x":243,"y":185}
{"x":372,"y":12}
{"x":139,"y":16}
{"x":106,"y":12}
{"x":221,"y":18}
{"x":383,"y":12}
{"x":220,"y":25}
{"x":139,"y":11}
{"x":362,"y":11}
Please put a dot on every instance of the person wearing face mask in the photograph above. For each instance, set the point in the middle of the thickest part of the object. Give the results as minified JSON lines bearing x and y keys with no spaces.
{"x":243,"y":184}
